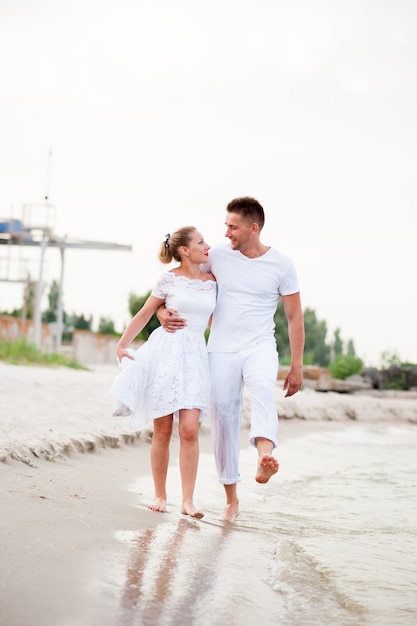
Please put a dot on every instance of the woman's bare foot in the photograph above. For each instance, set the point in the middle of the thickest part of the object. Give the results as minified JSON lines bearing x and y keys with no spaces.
{"x":189,"y":509}
{"x":268,"y":466}
{"x":159,"y":504}
{"x":231,"y":511}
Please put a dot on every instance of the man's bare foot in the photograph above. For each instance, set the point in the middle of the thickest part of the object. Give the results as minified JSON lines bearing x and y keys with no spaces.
{"x":231,"y":512}
{"x":189,"y":509}
{"x":159,"y":504}
{"x":268,"y":466}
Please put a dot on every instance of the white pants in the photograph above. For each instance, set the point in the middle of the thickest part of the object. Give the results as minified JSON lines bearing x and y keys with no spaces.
{"x":256,"y":369}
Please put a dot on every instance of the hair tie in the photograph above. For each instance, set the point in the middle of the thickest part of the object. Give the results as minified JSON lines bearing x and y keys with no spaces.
{"x":167,"y":236}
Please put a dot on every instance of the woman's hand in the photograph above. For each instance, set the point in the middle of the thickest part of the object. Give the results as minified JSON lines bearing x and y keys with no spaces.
{"x":123,"y":352}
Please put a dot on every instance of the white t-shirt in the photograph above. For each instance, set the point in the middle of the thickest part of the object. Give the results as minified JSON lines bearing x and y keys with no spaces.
{"x":248,"y":295}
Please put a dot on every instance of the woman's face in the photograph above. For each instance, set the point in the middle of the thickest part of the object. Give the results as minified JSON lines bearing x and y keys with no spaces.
{"x":197,"y":248}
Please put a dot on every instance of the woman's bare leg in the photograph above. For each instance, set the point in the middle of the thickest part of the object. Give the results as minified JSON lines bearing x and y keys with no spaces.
{"x":159,"y":460}
{"x":189,"y":452}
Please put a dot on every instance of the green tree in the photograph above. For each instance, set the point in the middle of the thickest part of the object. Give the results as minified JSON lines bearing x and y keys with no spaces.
{"x":50,"y":315}
{"x":390,"y":359}
{"x":281,"y":335}
{"x":80,"y":322}
{"x":135,"y":304}
{"x":351,"y":347}
{"x":106,"y":326}
{"x":337,"y":343}
{"x":29,"y":296}
{"x":316,"y":351}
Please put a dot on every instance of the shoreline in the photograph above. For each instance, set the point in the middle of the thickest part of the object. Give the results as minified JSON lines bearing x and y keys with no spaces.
{"x":63,"y":521}
{"x":73,"y":517}
{"x":53,"y":412}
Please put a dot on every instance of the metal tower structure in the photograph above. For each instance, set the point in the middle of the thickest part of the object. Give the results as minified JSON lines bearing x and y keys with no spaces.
{"x":36,"y":229}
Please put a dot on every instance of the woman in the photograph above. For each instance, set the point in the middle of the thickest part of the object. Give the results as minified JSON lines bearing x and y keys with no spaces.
{"x":168,"y":377}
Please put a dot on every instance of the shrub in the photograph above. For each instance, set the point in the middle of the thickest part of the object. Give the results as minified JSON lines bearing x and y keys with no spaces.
{"x":345,"y":365}
{"x":21,"y":352}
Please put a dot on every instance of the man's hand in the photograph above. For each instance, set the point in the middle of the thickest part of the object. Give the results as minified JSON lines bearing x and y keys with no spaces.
{"x":293,"y":381}
{"x":169,"y":319}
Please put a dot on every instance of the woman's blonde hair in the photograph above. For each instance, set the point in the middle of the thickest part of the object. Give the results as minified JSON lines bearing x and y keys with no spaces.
{"x":170,"y":247}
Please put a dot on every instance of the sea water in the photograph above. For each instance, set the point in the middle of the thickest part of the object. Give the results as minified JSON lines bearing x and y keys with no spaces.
{"x":331,"y":540}
{"x":344,"y":513}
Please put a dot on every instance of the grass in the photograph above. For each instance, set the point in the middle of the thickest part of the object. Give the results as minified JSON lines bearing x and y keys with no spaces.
{"x":21,"y":352}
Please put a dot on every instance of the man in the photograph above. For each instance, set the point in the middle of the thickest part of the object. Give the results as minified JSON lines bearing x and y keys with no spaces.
{"x":251,"y":279}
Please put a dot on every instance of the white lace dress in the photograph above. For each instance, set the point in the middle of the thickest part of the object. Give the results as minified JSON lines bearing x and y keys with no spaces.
{"x":170,"y":371}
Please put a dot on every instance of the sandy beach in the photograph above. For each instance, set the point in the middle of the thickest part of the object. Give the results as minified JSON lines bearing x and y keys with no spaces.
{"x":73,"y":520}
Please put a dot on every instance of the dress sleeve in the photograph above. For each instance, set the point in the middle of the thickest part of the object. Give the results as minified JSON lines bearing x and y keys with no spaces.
{"x":162,"y":286}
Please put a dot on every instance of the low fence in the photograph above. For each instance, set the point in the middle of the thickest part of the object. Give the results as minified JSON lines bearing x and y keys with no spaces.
{"x":14,"y":328}
{"x":87,"y":348}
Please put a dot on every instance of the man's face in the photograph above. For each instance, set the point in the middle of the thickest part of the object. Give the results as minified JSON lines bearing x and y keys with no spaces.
{"x":238,"y":230}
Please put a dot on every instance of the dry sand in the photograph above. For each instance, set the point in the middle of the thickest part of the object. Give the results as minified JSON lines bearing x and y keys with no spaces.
{"x":74,"y":526}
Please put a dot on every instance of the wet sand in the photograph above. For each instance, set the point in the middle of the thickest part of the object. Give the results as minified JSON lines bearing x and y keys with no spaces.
{"x":78,"y":545}
{"x":56,"y":519}
{"x":77,"y":539}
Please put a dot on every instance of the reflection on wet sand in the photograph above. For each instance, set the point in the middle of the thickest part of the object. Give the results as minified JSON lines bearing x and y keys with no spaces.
{"x":172,"y":571}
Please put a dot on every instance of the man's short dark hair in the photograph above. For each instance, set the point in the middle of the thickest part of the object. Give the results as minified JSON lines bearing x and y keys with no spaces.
{"x":248,"y":208}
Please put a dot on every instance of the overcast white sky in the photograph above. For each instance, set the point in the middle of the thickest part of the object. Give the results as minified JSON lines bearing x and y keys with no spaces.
{"x":158,"y":113}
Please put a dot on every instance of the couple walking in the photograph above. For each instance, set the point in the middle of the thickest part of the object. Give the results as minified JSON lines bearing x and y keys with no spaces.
{"x":235,"y":289}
